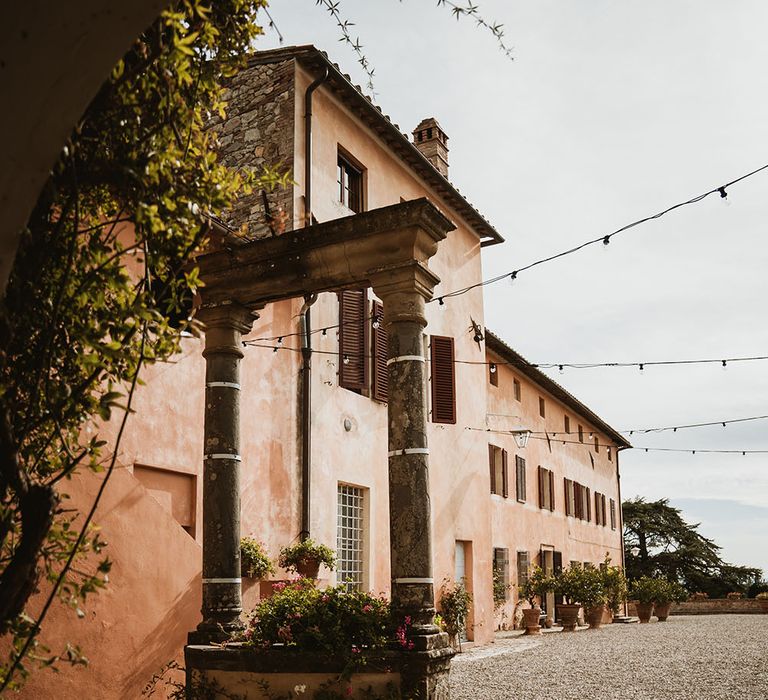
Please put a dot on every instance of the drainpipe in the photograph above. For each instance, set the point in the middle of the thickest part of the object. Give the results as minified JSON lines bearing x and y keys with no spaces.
{"x":306,"y":415}
{"x":308,"y":146}
{"x":305,"y":324}
{"x":621,"y":521}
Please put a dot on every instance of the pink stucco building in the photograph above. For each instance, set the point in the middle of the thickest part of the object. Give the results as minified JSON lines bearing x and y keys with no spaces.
{"x":314,"y":433}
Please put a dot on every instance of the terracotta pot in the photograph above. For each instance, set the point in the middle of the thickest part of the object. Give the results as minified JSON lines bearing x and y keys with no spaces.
{"x":595,"y":617}
{"x":308,"y":568}
{"x":644,"y":611}
{"x":569,"y":616}
{"x":662,"y":611}
{"x":531,"y":618}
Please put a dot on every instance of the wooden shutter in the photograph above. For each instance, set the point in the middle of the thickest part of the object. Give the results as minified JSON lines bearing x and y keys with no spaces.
{"x":613,"y":514}
{"x":557,"y":562}
{"x":541,"y":487}
{"x":578,"y":500}
{"x":443,"y":380}
{"x":589,"y":505}
{"x":353,"y":337}
{"x":379,"y":369}
{"x":520,"y":478}
{"x":504,"y":475}
{"x":566,"y":482}
{"x":492,"y":464}
{"x":602,"y":505}
{"x":597,"y":508}
{"x":551,"y":490}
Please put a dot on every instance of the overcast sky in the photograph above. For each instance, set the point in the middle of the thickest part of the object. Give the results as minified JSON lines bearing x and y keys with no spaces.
{"x":610,"y":111}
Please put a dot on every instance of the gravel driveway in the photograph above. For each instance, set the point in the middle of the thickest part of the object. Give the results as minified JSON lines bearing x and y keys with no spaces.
{"x":702,"y":657}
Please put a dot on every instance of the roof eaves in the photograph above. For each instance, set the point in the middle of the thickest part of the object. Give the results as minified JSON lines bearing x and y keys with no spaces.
{"x":497,"y":345}
{"x":311,"y":57}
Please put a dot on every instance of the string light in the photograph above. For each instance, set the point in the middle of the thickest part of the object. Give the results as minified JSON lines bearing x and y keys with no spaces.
{"x":345,"y":359}
{"x":638,"y":448}
{"x":512,"y":275}
{"x":492,"y":368}
{"x":376,"y":322}
{"x":254,"y":343}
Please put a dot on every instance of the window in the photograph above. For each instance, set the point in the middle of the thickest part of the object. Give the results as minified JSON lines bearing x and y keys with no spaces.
{"x":610,"y":456}
{"x":500,"y":575}
{"x":613,"y":514}
{"x":517,"y":390}
{"x":498,"y":466}
{"x":493,"y":374}
{"x":349,"y":537}
{"x":353,"y":340}
{"x":581,"y":434}
{"x":599,"y":509}
{"x":520,"y":478}
{"x":602,"y":510}
{"x":379,"y":368}
{"x":546,"y":489}
{"x":597,"y":444}
{"x":350,"y":184}
{"x":567,"y":424}
{"x":522,"y":568}
{"x":578,"y":503}
{"x":542,"y":408}
{"x":570,"y":497}
{"x":443,"y":380}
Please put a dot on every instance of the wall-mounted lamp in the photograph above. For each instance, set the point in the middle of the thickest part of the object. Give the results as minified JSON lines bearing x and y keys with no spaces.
{"x":521,"y":436}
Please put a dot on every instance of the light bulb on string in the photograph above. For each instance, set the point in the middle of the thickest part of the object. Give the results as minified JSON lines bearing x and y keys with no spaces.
{"x":560,"y":369}
{"x":492,"y":368}
{"x":641,"y":367}
{"x":512,"y":277}
{"x":441,"y":301}
{"x":325,"y":331}
{"x":280,"y":340}
{"x":724,"y":196}
{"x":376,"y":322}
{"x":724,"y":365}
{"x":606,"y":241}
{"x":345,"y":359}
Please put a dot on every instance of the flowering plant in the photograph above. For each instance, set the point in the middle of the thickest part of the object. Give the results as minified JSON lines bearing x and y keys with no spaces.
{"x":299,"y":553}
{"x":254,"y":561}
{"x":342,"y":623}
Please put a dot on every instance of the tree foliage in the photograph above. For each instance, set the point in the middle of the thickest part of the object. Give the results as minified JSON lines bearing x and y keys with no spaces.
{"x":673,"y":549}
{"x":101,"y":285}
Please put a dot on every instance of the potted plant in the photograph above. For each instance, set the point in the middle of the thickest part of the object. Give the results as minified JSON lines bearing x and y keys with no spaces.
{"x":644,"y":590}
{"x":305,"y":558}
{"x":667,"y":592}
{"x":567,"y":584}
{"x":254,"y":561}
{"x":615,"y":584}
{"x":454,"y":610}
{"x":536,"y":585}
{"x":592,"y":595}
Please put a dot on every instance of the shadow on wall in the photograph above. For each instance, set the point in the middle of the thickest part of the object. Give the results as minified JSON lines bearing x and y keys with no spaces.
{"x":165,"y":642}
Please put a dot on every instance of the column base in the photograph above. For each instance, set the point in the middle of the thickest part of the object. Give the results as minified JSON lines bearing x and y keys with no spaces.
{"x":212,"y":631}
{"x":425,"y":670}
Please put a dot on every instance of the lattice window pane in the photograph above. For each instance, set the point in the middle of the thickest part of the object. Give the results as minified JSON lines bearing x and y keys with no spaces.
{"x":349,"y":537}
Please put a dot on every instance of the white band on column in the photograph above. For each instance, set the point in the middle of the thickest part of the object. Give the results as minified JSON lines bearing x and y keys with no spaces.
{"x":235,"y":458}
{"x":409,"y":451}
{"x":404,"y":358}
{"x":228,"y":385}
{"x":414,"y":580}
{"x":222,"y":580}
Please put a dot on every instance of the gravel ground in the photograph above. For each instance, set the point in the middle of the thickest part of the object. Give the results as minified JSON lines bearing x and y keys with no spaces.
{"x":702,"y":657}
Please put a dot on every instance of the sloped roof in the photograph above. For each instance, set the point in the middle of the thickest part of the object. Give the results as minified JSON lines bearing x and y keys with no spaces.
{"x":361,"y":105}
{"x":497,"y":345}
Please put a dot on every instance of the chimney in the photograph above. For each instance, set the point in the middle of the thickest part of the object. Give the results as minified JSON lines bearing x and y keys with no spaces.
{"x":432,"y":142}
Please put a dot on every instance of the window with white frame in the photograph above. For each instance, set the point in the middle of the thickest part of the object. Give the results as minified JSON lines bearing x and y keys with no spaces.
{"x":349,"y":536}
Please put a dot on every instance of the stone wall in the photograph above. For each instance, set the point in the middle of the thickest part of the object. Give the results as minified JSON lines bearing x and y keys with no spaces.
{"x":259,"y":131}
{"x":715,"y":606}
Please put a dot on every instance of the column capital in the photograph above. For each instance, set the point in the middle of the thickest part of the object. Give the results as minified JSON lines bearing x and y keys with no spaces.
{"x":227,"y":314}
{"x":404,"y":289}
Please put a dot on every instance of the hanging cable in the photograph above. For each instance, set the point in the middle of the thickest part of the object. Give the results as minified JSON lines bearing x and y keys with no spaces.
{"x":604,"y":239}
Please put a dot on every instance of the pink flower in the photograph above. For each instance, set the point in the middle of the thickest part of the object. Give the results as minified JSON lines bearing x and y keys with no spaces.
{"x":325,"y":598}
{"x":285,"y":634}
{"x":367,"y":608}
{"x":349,"y":690}
{"x":355,"y":650}
{"x":407,"y":619}
{"x":279,"y":586}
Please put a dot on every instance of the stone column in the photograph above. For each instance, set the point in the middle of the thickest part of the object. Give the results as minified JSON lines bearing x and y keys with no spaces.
{"x":404,"y":291}
{"x":222,"y":598}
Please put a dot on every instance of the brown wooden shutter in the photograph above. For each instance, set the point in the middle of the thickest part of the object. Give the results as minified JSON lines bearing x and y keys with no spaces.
{"x":443,"y":380}
{"x":597,"y":508}
{"x":551,"y":490}
{"x":379,"y":369}
{"x":541,"y":487}
{"x":504,"y":475}
{"x":492,"y":464}
{"x":589,"y":506}
{"x":565,"y":493}
{"x":557,"y":562}
{"x":602,"y":504}
{"x":578,"y":501}
{"x":353,"y":337}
